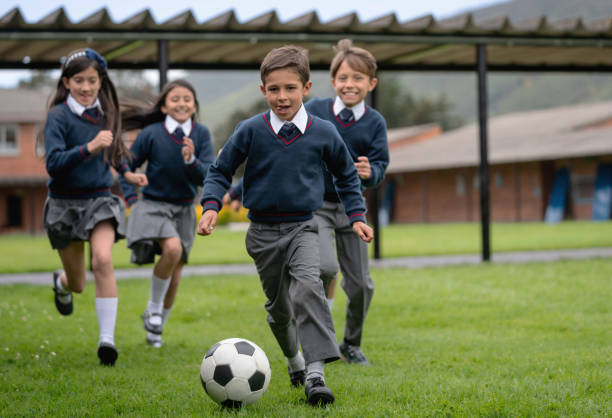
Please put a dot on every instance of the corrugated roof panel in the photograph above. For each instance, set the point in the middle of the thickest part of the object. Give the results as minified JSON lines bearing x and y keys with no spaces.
{"x":527,"y":44}
{"x":263,"y":22}
{"x":99,"y":19}
{"x":13,"y":19}
{"x":183,"y":20}
{"x":224,"y":21}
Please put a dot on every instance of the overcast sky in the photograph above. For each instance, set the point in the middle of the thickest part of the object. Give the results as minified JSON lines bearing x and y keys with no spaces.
{"x":203,"y":10}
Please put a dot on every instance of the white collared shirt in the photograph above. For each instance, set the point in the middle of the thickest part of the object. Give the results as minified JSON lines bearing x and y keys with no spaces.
{"x":171,"y":125}
{"x":78,"y":109}
{"x":358,"y":109}
{"x":299,"y":120}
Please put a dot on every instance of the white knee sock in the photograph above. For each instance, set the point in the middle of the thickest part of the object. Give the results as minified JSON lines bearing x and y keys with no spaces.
{"x":330,"y":303}
{"x":158,"y":291}
{"x":106,"y":308}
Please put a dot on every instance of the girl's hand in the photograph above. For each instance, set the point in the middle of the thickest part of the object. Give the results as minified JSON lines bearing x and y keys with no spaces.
{"x":207,"y":223}
{"x":137,"y":179}
{"x":363,"y":167}
{"x":187,"y":149}
{"x":103,"y":140}
{"x":365,"y":232}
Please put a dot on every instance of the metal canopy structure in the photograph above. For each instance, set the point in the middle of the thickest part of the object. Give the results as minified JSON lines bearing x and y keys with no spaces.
{"x":423,"y":44}
{"x":225,"y":43}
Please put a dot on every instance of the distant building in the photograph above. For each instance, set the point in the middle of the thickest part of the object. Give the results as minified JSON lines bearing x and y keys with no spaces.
{"x":436,"y":180}
{"x":22,"y":168}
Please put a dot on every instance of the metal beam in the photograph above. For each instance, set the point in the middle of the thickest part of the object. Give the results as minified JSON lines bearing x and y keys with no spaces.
{"x":374,"y":201}
{"x":115,"y":65}
{"x":301,"y":37}
{"x":481,"y":57}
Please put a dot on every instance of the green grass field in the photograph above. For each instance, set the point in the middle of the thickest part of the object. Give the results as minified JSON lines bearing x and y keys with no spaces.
{"x":491,"y":340}
{"x":25,"y":253}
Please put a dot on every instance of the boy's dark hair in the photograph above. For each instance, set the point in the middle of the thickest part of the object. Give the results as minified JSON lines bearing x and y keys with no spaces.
{"x":358,"y":59}
{"x":80,"y":60}
{"x":288,"y":56}
{"x":137,"y":115}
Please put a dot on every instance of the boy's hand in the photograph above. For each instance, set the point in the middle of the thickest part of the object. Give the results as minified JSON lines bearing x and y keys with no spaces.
{"x":187,"y":149}
{"x":104,"y":139}
{"x":137,"y":179}
{"x":207,"y":223}
{"x":365,"y":232}
{"x":363,"y":167}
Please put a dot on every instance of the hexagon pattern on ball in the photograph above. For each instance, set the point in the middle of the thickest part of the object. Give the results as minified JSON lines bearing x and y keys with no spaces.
{"x":235,"y":372}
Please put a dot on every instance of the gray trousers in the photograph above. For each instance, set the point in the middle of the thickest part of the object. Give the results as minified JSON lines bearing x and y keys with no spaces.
{"x":287,"y":259}
{"x":352,"y":255}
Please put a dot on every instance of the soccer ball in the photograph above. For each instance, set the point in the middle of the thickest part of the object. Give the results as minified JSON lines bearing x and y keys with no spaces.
{"x":235,"y":372}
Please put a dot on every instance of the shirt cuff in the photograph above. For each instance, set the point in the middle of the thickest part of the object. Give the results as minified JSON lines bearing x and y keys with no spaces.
{"x":191,"y":160}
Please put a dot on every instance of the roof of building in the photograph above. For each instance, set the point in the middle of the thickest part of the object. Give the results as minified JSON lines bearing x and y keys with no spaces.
{"x":563,"y":132}
{"x":422,"y":43}
{"x":22,"y":106}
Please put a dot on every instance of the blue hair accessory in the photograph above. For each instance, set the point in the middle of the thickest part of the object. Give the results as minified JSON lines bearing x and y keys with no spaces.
{"x":89,"y":53}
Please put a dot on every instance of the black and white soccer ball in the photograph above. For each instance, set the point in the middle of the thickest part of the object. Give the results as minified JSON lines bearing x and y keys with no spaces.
{"x":235,"y":372}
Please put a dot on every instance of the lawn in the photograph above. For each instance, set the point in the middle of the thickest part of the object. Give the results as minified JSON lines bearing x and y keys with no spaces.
{"x":489,"y":340}
{"x":24,"y":253}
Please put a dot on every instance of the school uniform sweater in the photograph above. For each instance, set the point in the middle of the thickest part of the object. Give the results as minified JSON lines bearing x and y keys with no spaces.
{"x":283,"y":178}
{"x":170,"y":179}
{"x":364,"y":137}
{"x":74,"y":172}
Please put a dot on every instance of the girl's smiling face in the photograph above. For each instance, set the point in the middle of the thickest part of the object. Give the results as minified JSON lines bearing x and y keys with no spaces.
{"x":84,"y":86}
{"x":179,"y":104}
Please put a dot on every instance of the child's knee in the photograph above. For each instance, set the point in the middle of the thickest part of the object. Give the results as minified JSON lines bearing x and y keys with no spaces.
{"x":101,"y":260}
{"x":173,"y":249}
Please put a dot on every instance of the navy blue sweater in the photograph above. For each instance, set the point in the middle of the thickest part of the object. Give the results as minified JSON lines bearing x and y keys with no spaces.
{"x":283,"y":180}
{"x":170,"y":179}
{"x":365,"y":137}
{"x":74,"y":172}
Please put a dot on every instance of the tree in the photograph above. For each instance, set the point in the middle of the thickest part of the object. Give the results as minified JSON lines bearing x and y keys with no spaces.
{"x":400,"y":108}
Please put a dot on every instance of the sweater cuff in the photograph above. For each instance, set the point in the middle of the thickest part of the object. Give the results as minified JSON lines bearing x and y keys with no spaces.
{"x":84,"y":151}
{"x":123,"y":168}
{"x":210,"y":204}
{"x":130,"y":200}
{"x":357,"y":217}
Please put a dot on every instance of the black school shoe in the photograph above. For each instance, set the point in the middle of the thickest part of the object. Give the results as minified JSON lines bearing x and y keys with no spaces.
{"x":297,"y":378}
{"x":352,"y":354}
{"x":63,"y":308}
{"x":317,"y":394}
{"x":107,"y":353}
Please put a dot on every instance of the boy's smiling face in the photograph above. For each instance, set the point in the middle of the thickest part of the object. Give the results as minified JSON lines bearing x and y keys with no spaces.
{"x":284,"y":92}
{"x":352,"y":86}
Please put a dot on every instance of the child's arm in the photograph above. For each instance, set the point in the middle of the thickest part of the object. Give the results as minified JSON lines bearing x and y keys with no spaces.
{"x":198,"y":160}
{"x":371,"y":167}
{"x":128,"y":179}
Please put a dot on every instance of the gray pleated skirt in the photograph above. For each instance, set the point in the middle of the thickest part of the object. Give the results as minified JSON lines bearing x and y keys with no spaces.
{"x":150,"y":220}
{"x":68,"y":220}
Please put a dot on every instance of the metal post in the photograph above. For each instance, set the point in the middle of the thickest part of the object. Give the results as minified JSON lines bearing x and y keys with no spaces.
{"x":162,"y":55}
{"x":374,"y":204}
{"x":481,"y":57}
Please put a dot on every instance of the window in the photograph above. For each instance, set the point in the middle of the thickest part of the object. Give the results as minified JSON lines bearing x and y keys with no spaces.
{"x":8,"y":140}
{"x":498,"y":180}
